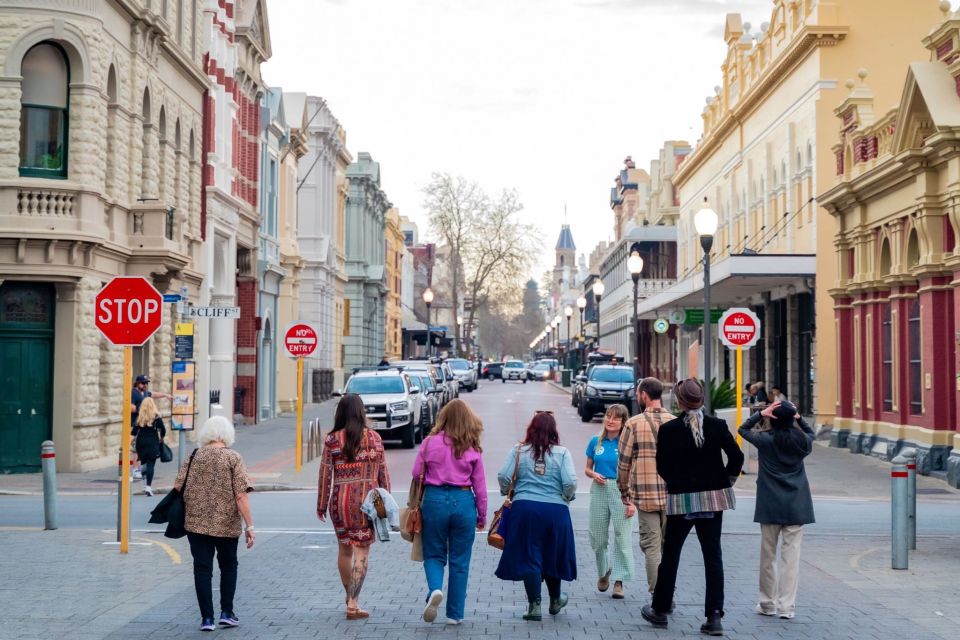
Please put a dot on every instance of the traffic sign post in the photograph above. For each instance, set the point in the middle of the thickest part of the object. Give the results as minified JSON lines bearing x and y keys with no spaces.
{"x":300,"y":341}
{"x":127,"y":313}
{"x":739,"y":329}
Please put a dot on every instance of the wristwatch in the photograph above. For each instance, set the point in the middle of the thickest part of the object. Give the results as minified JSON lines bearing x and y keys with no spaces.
{"x":249,"y":528}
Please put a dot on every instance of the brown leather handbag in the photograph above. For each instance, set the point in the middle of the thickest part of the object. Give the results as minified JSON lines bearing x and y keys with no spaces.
{"x":494,"y":538}
{"x":414,"y":518}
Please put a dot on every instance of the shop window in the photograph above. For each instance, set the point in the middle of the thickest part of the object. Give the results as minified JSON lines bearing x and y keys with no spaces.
{"x":887,"y":355}
{"x":916,"y":359}
{"x":44,"y":112}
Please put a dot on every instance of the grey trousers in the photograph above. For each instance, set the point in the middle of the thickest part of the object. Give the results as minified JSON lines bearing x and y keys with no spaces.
{"x":652,"y":524}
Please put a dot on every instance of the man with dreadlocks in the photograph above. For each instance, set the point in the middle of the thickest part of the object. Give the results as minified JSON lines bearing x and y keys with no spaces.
{"x":699,"y":490}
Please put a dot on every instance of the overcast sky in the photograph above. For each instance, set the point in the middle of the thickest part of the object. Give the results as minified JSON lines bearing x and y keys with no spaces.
{"x":545,"y":96}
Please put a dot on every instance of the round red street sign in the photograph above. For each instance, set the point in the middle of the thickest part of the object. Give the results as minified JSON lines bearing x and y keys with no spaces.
{"x":300,"y":340}
{"x":739,"y":327}
{"x":128,"y":310}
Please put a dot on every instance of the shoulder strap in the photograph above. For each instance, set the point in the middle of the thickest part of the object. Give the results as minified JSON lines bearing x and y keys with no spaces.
{"x":516,"y":470}
{"x":423,"y":470}
{"x":186,"y":476}
{"x":649,"y":420}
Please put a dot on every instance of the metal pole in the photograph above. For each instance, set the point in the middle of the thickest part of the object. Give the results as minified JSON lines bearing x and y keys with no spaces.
{"x":125,"y":489}
{"x":583,"y":341}
{"x":899,"y":543}
{"x":429,"y":334}
{"x":706,"y":242}
{"x":48,"y":462}
{"x":566,"y":352}
{"x":598,"y":320}
{"x":299,"y":456}
{"x":636,"y":332}
{"x":181,"y":445}
{"x":911,"y":455}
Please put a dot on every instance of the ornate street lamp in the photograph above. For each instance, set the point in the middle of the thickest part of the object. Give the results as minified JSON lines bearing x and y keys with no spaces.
{"x":568,"y":311}
{"x":428,"y":300}
{"x":581,"y":305}
{"x":598,"y":289}
{"x":706,"y":221}
{"x":635,"y":266}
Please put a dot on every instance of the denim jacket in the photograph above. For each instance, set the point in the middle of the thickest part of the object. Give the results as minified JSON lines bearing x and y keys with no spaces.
{"x":383,"y":526}
{"x":553,"y":480}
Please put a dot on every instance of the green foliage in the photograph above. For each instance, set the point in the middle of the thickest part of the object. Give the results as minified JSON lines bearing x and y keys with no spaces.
{"x":723,"y":394}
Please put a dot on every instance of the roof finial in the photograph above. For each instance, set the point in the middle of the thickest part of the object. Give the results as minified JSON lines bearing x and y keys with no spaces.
{"x":945,"y":7}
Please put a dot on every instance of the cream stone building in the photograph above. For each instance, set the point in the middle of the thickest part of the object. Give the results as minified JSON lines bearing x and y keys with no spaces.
{"x":100,"y":138}
{"x":767,"y":131}
{"x":395,"y":250}
{"x":896,"y":295}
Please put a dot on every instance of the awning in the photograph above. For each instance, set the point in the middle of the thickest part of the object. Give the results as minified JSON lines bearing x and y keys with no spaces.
{"x":732,"y":281}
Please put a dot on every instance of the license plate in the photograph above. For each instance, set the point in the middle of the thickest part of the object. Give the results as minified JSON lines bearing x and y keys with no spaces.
{"x":379,"y":424}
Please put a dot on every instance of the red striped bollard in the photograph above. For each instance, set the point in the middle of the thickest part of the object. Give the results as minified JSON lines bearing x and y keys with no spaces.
{"x":899,"y":544}
{"x":48,"y":463}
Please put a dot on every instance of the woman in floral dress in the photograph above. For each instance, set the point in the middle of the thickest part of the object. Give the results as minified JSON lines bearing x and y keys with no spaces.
{"x":353,"y":463}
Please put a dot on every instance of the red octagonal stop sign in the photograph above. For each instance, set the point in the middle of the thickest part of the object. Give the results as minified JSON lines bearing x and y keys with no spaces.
{"x":128,"y":310}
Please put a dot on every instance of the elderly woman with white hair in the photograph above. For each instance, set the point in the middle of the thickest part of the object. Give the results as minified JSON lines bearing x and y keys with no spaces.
{"x":214,"y":484}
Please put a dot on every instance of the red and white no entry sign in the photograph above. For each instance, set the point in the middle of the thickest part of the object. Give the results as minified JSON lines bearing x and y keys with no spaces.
{"x":300,"y":340}
{"x":128,"y":310}
{"x":739,"y":327}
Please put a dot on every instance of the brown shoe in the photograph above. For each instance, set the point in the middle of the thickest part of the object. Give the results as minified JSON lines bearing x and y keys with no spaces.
{"x":356,"y":613}
{"x":618,"y":590}
{"x":604,"y":582}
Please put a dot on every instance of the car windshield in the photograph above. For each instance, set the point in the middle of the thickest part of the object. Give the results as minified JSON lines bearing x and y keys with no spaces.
{"x":375,"y":384}
{"x":514,"y":364}
{"x":459,"y":365}
{"x":541,"y":367}
{"x":618,"y":374}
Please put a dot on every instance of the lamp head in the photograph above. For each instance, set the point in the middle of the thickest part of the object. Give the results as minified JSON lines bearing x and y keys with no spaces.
{"x":568,"y":311}
{"x":635,"y":264}
{"x":556,"y":321}
{"x":428,"y":295}
{"x":598,"y":288}
{"x":706,"y":220}
{"x":581,"y":302}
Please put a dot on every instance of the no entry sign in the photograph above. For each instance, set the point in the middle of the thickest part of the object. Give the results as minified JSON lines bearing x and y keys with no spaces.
{"x":300,"y":340}
{"x":127,"y":311}
{"x":739,"y":327}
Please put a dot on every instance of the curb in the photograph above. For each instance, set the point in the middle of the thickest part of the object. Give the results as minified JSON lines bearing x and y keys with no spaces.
{"x":258,"y":488}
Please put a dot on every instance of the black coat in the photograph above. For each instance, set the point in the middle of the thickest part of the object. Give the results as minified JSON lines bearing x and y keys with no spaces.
{"x":783,"y":492}
{"x":148,"y":439}
{"x":685,"y":468}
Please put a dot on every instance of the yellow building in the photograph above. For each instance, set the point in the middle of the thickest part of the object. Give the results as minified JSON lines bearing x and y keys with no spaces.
{"x":395,"y":248}
{"x":342,"y":317}
{"x":896,"y":293}
{"x":767,"y":133}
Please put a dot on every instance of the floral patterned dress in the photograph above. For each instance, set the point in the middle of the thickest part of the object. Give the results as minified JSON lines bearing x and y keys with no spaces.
{"x":344,"y":484}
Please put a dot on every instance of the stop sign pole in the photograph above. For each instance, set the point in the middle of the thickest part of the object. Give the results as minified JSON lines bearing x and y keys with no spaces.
{"x":300,"y":340}
{"x":128,"y":310}
{"x":739,"y":329}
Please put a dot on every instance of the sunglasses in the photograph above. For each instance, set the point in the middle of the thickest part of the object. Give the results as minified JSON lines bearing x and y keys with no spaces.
{"x":539,"y":411}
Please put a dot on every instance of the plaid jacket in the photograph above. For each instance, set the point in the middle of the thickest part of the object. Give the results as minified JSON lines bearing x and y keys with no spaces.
{"x":637,"y":476}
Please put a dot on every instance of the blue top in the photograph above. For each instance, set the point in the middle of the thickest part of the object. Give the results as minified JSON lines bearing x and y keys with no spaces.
{"x":604,"y":460}
{"x":551,"y":480}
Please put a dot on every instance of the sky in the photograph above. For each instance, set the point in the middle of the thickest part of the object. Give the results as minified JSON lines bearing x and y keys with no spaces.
{"x":544,"y":96}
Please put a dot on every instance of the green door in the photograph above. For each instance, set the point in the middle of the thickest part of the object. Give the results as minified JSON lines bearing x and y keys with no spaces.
{"x":26,"y":374}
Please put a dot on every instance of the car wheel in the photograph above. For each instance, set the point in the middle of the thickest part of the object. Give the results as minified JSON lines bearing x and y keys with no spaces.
{"x":490,"y":377}
{"x":573,"y":400}
{"x":418,"y":433}
{"x":524,"y":381}
{"x":407,"y":440}
{"x":585,"y":414}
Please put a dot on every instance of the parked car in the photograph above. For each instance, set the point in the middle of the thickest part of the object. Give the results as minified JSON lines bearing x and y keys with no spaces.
{"x":606,"y":385}
{"x":513,"y":370}
{"x":541,"y":371}
{"x":392,"y":401}
{"x":576,"y":388}
{"x":453,"y":385}
{"x":433,"y":370}
{"x":492,"y":370}
{"x":430,"y":395}
{"x":465,"y":372}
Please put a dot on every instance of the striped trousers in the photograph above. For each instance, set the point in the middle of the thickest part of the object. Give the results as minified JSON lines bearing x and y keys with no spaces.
{"x":606,"y":508}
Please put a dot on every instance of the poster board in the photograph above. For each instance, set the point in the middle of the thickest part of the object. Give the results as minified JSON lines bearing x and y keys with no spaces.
{"x":183,"y":389}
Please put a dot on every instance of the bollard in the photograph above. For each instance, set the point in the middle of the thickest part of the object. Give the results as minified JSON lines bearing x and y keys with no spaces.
{"x":898,"y":506}
{"x":48,"y":462}
{"x":181,"y":447}
{"x":911,"y":455}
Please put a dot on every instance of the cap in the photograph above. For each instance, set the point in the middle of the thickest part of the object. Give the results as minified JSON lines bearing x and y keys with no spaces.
{"x":142,"y":379}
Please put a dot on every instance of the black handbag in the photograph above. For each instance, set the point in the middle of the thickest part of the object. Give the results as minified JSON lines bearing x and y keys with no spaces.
{"x":172,"y":508}
{"x":166,"y":453}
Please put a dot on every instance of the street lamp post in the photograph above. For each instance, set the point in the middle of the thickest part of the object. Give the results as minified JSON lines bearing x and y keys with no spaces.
{"x":706,"y":222}
{"x":547,"y":329}
{"x":581,"y":304}
{"x":556,"y":333}
{"x":428,"y":300}
{"x":462,"y":335}
{"x":635,"y":266}
{"x":598,"y":289}
{"x":568,"y":311}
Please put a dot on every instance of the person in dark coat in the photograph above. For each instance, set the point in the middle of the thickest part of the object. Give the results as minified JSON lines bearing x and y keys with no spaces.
{"x":699,"y":489}
{"x":784,"y":503}
{"x":148,"y":434}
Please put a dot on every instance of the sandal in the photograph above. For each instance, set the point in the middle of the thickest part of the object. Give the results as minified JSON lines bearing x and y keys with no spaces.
{"x":356,"y":613}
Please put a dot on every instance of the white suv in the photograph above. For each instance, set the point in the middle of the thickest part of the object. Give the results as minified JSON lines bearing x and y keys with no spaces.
{"x":514,"y":370}
{"x":465,"y":372}
{"x":392,"y":402}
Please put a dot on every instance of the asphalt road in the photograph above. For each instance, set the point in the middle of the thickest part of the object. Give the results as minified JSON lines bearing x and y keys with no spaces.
{"x":505,"y":409}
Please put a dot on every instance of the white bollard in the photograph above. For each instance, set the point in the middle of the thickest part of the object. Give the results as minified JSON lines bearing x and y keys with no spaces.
{"x":48,"y":462}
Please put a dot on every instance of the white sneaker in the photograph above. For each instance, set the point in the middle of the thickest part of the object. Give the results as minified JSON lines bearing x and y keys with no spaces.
{"x":137,"y":475}
{"x":433,"y":603}
{"x":786,"y":615}
{"x":453,"y":623}
{"x":148,"y":490}
{"x":765,"y":612}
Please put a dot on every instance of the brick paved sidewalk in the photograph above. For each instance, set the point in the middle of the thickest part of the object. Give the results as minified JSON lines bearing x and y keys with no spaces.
{"x":289,"y":589}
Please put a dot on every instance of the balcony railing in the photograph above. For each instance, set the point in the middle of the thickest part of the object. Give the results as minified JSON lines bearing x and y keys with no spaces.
{"x":45,"y":202}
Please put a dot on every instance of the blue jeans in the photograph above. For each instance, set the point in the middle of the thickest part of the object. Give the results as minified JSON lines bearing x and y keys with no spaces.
{"x":449,"y":528}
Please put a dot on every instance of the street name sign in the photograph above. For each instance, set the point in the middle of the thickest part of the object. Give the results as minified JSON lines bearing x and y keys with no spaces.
{"x":127,"y":311}
{"x":224,"y":313}
{"x":300,"y":340}
{"x":739,"y":327}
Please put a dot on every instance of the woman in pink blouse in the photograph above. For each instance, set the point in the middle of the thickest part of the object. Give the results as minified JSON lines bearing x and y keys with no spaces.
{"x":454,"y":505}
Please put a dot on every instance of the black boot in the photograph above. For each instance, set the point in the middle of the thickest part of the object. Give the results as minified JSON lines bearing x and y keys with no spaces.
{"x":712,"y":626}
{"x":658,"y":620}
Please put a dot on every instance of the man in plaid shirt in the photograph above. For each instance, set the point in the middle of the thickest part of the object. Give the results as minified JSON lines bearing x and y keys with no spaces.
{"x":641,"y":489}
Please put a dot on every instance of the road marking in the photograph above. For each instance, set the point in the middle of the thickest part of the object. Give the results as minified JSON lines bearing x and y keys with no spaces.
{"x":855,"y":560}
{"x":170,"y":551}
{"x":21,"y":529}
{"x":138,"y":544}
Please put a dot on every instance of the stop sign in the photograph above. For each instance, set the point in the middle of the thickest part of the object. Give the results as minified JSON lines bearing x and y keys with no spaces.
{"x":128,"y":311}
{"x":300,"y":340}
{"x":739,"y":327}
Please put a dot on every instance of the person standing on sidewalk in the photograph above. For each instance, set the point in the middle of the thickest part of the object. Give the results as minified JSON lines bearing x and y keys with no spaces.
{"x":138,"y":392}
{"x":784,"y":503}
{"x":641,"y":489}
{"x":699,"y":489}
{"x":215,"y":497}
{"x":606,"y":505}
{"x":352,"y":464}
{"x":540,"y":546}
{"x":147,"y":438}
{"x":454,"y":505}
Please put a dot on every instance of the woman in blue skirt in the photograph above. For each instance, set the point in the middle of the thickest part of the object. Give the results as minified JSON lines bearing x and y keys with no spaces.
{"x":538,"y":530}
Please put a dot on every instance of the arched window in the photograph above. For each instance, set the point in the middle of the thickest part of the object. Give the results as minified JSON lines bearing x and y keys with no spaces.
{"x":44,"y":111}
{"x":915,"y":345}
